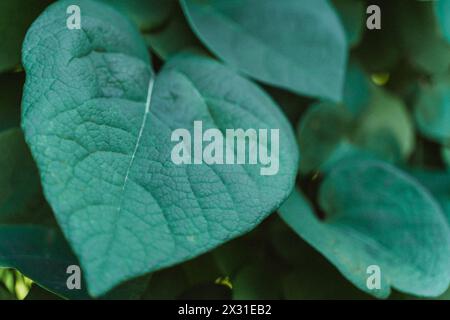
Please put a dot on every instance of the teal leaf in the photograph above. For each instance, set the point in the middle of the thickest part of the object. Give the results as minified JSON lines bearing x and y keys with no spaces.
{"x":445,"y":154}
{"x":146,"y":14}
{"x":322,"y":130}
{"x":420,"y":38}
{"x":353,"y":17}
{"x":296,"y":45}
{"x":308,"y":275}
{"x":257,"y":281}
{"x":385,"y":127}
{"x":442,"y":10}
{"x":16,"y":17}
{"x":100,"y":130}
{"x":173,"y":37}
{"x":432,"y":110}
{"x":438,"y":183}
{"x":377,"y":215}
{"x":357,"y":89}
{"x":382,"y":128}
{"x":42,"y":254}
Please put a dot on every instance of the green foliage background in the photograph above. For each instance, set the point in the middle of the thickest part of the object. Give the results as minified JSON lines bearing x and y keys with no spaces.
{"x":371,"y":112}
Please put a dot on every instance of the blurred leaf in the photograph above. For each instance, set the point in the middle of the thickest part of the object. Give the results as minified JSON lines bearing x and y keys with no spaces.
{"x":357,"y":88}
{"x":323,"y":128}
{"x":310,"y":275}
{"x":292,"y":105}
{"x":328,"y":132}
{"x":5,"y":294}
{"x":147,"y":14}
{"x":379,"y":50}
{"x":39,"y":293}
{"x":257,"y":281}
{"x":41,"y":254}
{"x":385,"y":127}
{"x":318,"y":279}
{"x":353,"y":16}
{"x":442,"y":10}
{"x":16,"y":17}
{"x":419,"y":36}
{"x":262,"y":39}
{"x":445,"y":153}
{"x":432,"y":110}
{"x":174,"y":36}
{"x":231,"y":256}
{"x":376,"y":215}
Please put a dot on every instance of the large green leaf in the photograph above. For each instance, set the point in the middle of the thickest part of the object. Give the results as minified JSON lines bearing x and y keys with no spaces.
{"x":99,"y":125}
{"x":296,"y":45}
{"x":377,"y":215}
{"x":15,"y":17}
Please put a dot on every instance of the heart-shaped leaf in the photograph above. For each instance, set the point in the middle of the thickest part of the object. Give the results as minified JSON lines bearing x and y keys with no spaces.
{"x":296,"y":45}
{"x":99,"y":125}
{"x":378,"y":216}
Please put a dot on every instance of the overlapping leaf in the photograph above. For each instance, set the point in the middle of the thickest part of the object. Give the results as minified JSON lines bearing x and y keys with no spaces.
{"x":377,"y":215}
{"x":296,"y":45}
